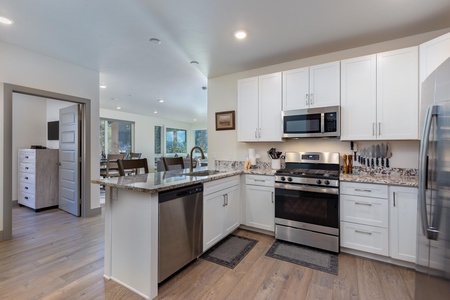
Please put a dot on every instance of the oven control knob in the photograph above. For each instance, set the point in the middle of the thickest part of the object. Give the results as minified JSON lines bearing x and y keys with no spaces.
{"x":289,"y":179}
{"x":327,"y":182}
{"x":318,"y":181}
{"x":283,"y":178}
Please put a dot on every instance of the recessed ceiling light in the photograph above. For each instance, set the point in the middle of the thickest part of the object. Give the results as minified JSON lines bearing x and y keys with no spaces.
{"x":195,"y":120}
{"x":155,"y":112}
{"x":161,"y":100}
{"x":155,"y":41}
{"x":103,"y":86}
{"x":6,"y":21}
{"x":118,"y":107}
{"x":194,"y":62}
{"x":240,"y":34}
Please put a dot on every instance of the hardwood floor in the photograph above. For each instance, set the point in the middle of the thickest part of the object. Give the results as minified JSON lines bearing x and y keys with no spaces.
{"x":54,"y":255}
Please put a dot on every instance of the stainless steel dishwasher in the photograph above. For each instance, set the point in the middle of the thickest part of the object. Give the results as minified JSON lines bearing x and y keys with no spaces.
{"x":180,"y":228}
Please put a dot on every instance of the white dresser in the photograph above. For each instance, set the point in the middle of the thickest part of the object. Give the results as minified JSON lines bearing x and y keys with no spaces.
{"x":38,"y":178}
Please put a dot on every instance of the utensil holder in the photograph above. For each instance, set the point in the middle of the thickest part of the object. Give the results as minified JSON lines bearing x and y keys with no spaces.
{"x":276,"y":163}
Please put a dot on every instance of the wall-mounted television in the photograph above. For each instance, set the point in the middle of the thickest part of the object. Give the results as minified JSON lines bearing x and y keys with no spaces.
{"x":53,"y":131}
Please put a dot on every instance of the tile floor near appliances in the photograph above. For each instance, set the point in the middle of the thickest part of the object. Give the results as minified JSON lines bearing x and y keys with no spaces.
{"x":54,"y":255}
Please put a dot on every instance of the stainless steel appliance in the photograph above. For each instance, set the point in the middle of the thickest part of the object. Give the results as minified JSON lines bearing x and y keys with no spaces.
{"x":433,"y":239}
{"x":180,"y":228}
{"x":312,"y":122}
{"x":307,"y":200}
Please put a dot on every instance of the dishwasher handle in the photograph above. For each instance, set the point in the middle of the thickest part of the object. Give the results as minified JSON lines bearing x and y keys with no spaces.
{"x":180,"y":192}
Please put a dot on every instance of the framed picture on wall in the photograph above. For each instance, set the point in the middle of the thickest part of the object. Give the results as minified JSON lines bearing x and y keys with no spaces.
{"x":225,"y":120}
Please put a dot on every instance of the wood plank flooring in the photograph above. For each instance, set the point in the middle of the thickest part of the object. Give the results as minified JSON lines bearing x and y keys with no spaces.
{"x":54,"y":255}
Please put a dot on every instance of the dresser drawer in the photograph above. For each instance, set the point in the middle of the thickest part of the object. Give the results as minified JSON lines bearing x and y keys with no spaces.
{"x":27,"y":156}
{"x":27,"y":200}
{"x":364,"y":189}
{"x":27,"y":177}
{"x":27,"y":188}
{"x":27,"y":168}
{"x":365,"y":238}
{"x":364,"y":210}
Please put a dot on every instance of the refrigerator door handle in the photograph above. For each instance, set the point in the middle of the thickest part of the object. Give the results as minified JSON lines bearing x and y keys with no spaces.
{"x":428,"y":231}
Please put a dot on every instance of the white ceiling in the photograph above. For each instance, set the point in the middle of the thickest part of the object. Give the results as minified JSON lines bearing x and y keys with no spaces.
{"x":112,"y":37}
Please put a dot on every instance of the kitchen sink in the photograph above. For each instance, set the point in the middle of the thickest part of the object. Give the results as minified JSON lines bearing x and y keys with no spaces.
{"x":202,"y":173}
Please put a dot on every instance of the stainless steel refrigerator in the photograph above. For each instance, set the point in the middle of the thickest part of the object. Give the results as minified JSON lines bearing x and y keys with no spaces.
{"x":433,"y":240}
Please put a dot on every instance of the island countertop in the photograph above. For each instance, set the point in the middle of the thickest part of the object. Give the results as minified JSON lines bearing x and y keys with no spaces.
{"x":162,"y":181}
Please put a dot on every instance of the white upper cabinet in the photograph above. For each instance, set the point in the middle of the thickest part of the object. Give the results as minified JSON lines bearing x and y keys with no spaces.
{"x":259,"y":108}
{"x":432,"y":54}
{"x":358,"y":97}
{"x":315,"y":86}
{"x":379,"y":96}
{"x":398,"y":94}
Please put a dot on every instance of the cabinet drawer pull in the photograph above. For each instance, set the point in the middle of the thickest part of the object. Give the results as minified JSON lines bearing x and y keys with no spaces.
{"x":259,"y":180}
{"x":26,"y":168}
{"x":26,"y":177}
{"x":273,"y":198}
{"x":26,"y":188}
{"x":363,"y":190}
{"x":26,"y":157}
{"x":26,"y":198}
{"x":363,"y":231}
{"x":379,"y":128}
{"x":307,"y":100}
{"x":363,"y":203}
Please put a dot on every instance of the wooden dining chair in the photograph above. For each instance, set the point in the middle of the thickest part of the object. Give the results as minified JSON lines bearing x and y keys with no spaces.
{"x":132,"y":166}
{"x":173,"y":163}
{"x":134,"y":155}
{"x":112,"y":167}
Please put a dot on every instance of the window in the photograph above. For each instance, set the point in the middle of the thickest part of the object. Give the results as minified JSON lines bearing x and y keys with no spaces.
{"x":201,"y":139}
{"x":116,"y":136}
{"x":176,"y":141}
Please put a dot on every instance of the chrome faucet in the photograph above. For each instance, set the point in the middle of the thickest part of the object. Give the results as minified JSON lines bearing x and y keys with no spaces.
{"x":192,"y":150}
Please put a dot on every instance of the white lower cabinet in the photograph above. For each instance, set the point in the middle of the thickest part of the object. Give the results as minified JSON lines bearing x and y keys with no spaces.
{"x":260,"y":202}
{"x":221,"y":208}
{"x":364,"y":217}
{"x":403,"y":222}
{"x":379,"y":219}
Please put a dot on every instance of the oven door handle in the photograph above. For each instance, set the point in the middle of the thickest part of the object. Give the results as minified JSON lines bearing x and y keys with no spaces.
{"x":307,"y":188}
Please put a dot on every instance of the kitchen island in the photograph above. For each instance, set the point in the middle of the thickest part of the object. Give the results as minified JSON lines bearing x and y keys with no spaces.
{"x":131,"y":225}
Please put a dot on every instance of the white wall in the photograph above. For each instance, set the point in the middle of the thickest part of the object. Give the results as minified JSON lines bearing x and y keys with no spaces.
{"x":222,"y":92}
{"x":26,"y":68}
{"x":144,"y":130}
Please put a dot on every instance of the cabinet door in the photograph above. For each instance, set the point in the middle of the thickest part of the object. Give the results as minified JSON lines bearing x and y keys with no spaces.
{"x":232,"y":209}
{"x":324,"y":84}
{"x":260,"y":207}
{"x":213,"y":214}
{"x":432,"y":54}
{"x":270,"y":107}
{"x":296,"y":89}
{"x":358,"y":98}
{"x":247,"y":109}
{"x":403,"y":223}
{"x":397,"y":94}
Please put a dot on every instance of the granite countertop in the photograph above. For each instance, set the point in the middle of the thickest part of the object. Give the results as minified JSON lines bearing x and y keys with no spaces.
{"x":162,"y":181}
{"x":411,"y":181}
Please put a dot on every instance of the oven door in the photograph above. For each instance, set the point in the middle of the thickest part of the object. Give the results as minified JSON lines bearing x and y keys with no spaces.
{"x":307,"y":207}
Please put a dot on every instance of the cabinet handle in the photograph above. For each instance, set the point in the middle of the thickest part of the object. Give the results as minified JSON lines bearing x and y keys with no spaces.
{"x":379,"y":128}
{"x":26,"y":157}
{"x":26,"y":168}
{"x":307,"y":99}
{"x":363,"y":203}
{"x":26,"y":198}
{"x":273,"y":198}
{"x":311,"y":99}
{"x":256,"y":134}
{"x":26,"y":177}
{"x":26,"y":188}
{"x":260,"y":180}
{"x":363,"y":231}
{"x":224,"y":203}
{"x":393,"y":195}
{"x":373,"y":129}
{"x":259,"y":132}
{"x":363,"y":190}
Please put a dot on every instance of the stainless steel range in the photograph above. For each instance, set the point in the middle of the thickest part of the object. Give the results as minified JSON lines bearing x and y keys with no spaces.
{"x":307,"y":200}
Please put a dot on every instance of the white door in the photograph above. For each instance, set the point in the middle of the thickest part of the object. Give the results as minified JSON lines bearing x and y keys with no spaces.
{"x":270,"y":107}
{"x":69,"y":169}
{"x":324,"y":84}
{"x":247,"y":109}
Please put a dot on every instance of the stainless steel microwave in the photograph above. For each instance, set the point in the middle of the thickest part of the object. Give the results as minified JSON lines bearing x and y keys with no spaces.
{"x":312,"y":122}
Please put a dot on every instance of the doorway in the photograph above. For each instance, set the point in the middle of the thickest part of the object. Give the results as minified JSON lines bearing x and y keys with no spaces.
{"x":85,"y":150}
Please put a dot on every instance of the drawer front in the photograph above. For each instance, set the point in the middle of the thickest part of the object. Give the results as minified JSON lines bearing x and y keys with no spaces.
{"x":27,"y":168}
{"x":27,"y":188}
{"x":364,"y":210}
{"x":27,"y":177}
{"x":365,"y":238}
{"x":260,"y":180}
{"x":364,"y":189}
{"x":27,"y":156}
{"x":27,"y":200}
{"x":220,"y":184}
